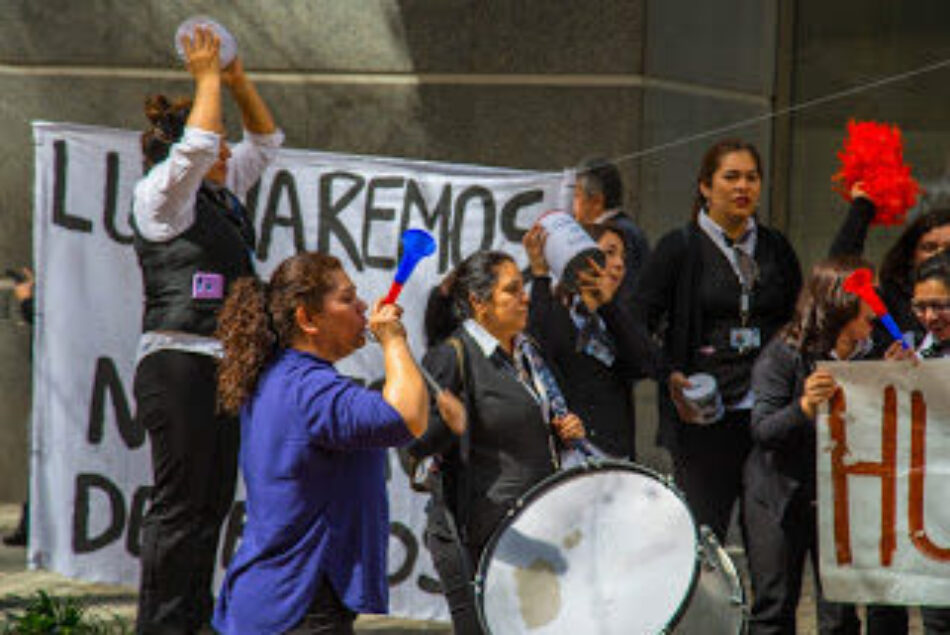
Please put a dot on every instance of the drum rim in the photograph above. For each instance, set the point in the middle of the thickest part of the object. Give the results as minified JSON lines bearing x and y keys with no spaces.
{"x":589,"y":465}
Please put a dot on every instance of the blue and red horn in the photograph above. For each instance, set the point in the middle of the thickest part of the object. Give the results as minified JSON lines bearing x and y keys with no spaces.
{"x":861,"y":283}
{"x":416,"y":245}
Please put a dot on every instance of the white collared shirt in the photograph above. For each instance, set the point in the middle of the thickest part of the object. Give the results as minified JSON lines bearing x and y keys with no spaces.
{"x":718,"y":236}
{"x":163,"y":203}
{"x":607,"y":215}
{"x":488,"y":344}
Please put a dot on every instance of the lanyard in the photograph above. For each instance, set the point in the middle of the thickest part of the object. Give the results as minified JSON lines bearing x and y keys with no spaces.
{"x":747,"y":272}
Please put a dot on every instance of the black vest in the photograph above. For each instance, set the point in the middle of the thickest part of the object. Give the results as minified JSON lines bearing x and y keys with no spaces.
{"x":220,"y":241}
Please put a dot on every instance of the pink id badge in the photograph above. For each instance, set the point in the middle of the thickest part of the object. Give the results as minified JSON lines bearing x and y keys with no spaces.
{"x":207,"y":286}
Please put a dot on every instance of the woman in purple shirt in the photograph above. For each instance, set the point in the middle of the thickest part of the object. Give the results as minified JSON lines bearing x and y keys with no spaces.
{"x":313,"y":445}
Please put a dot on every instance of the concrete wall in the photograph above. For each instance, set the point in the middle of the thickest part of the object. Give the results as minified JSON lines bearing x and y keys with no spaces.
{"x":877,"y":47}
{"x":534,"y":83}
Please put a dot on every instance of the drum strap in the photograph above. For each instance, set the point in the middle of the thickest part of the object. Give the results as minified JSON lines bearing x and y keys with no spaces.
{"x":463,"y":483}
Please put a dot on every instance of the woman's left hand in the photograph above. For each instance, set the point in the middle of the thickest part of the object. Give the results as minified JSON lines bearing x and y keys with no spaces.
{"x":897,"y":353}
{"x":569,"y":427}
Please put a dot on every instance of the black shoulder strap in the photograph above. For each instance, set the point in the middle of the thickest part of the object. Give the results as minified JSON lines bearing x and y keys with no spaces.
{"x":463,"y":491}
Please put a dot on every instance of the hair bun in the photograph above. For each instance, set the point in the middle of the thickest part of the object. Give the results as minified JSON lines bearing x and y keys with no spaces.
{"x":156,"y":107}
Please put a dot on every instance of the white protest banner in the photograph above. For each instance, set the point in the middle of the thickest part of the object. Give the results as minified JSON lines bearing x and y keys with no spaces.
{"x":91,"y":463}
{"x":883,"y":484}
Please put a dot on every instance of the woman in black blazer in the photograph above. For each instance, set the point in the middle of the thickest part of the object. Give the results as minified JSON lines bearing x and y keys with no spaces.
{"x":513,"y":435}
{"x":714,"y":292}
{"x":779,"y":502}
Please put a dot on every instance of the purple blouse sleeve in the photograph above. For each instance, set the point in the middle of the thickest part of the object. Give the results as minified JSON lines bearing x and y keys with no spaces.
{"x":341,"y":414}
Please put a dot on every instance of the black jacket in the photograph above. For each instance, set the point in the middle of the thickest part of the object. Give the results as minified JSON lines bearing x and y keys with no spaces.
{"x":668,"y":305}
{"x":509,"y":443}
{"x":599,"y":394}
{"x":780,"y":470}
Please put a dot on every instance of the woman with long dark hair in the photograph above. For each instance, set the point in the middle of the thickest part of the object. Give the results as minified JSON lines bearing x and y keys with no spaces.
{"x":591,"y":340}
{"x":715,"y":291}
{"x":780,"y":489}
{"x":193,"y":237}
{"x":514,"y":427}
{"x":313,"y":551}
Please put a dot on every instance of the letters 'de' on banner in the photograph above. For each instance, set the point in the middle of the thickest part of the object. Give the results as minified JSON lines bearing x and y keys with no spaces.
{"x":883,"y":483}
{"x":91,"y":463}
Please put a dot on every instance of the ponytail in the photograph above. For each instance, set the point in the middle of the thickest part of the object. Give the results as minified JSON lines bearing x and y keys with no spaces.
{"x":249,"y":341}
{"x":258,"y":321}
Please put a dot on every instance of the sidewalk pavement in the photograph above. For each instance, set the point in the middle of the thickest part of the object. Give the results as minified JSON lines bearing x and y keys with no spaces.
{"x":103,"y":600}
{"x":17,"y":584}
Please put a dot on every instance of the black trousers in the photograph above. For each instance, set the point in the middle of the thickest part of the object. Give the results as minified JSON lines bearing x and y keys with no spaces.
{"x":455,"y":564}
{"x":707,"y":467}
{"x":327,"y":614}
{"x":936,"y":620}
{"x":776,"y":554}
{"x":194,"y":465}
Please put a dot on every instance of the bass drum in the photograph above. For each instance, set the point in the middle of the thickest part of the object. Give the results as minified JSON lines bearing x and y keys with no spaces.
{"x":607,"y":547}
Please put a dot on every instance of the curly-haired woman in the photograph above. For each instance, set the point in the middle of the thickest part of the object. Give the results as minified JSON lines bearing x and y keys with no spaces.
{"x":313,"y":553}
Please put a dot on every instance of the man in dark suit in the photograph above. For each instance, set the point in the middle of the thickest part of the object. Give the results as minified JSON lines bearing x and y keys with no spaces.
{"x":598,"y":198}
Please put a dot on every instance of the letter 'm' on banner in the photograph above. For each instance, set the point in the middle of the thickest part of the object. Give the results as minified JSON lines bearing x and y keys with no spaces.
{"x":107,"y":380}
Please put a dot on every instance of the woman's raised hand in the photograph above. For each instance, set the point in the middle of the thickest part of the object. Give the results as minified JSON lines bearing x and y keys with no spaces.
{"x":533,"y":242}
{"x":233,"y":74}
{"x":202,"y":52}
{"x":384,"y":322}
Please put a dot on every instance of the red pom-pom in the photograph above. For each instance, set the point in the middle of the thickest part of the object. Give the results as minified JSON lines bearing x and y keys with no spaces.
{"x":873,"y":155}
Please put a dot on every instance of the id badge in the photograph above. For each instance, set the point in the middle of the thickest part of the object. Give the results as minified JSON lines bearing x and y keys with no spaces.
{"x":745,"y":339}
{"x":207,"y":286}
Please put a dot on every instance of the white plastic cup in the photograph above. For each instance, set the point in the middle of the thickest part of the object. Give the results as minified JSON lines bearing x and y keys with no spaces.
{"x":705,"y":398}
{"x":568,"y":247}
{"x":228,"y":50}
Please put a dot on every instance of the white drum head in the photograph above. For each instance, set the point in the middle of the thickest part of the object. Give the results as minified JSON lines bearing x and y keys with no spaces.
{"x":606,"y":550}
